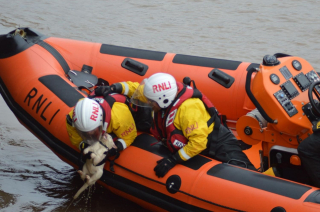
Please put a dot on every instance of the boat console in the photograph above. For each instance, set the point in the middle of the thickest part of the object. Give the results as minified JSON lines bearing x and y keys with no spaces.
{"x":283,"y":90}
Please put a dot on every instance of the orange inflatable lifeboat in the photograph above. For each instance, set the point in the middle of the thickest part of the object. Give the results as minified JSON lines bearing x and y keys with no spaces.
{"x":38,"y":83}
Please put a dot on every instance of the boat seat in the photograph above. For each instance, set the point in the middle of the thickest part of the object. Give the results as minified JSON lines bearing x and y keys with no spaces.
{"x":82,"y":79}
{"x":280,"y":155}
{"x":288,"y":164}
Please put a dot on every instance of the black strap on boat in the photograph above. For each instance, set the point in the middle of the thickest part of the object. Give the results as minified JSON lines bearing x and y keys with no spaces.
{"x":55,"y":54}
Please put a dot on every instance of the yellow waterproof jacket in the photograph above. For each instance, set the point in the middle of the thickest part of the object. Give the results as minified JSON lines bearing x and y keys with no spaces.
{"x":191,"y":118}
{"x":121,"y":124}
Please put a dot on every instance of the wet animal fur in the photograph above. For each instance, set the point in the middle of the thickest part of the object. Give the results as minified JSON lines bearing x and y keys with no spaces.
{"x":91,"y":173}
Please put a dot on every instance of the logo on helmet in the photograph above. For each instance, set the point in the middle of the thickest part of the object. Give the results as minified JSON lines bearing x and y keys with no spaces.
{"x":163,"y":86}
{"x":95,"y":112}
{"x":74,"y":117}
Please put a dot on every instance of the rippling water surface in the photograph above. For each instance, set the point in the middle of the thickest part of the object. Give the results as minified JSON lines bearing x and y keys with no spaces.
{"x":32,"y":177}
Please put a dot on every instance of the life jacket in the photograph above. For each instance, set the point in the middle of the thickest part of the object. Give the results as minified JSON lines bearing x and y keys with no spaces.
{"x":163,"y":127}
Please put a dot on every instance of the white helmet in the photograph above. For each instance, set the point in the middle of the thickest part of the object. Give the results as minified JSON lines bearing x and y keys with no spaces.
{"x":161,"y":88}
{"x":88,"y":119}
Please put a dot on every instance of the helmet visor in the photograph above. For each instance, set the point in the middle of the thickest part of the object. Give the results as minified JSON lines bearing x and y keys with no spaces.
{"x":91,"y":136}
{"x":138,"y":98}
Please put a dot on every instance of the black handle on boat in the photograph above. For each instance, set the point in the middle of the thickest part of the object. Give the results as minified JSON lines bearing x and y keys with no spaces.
{"x":240,"y":161}
{"x":253,"y":99}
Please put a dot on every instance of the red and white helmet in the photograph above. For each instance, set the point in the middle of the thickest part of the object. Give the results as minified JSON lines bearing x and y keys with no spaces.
{"x":88,"y":120}
{"x":161,"y":88}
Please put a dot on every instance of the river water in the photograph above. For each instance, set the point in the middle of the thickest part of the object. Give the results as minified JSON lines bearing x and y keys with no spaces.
{"x":32,"y":178}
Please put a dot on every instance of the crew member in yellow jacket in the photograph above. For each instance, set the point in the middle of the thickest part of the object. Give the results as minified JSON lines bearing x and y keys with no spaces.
{"x":92,"y":118}
{"x":185,"y":121}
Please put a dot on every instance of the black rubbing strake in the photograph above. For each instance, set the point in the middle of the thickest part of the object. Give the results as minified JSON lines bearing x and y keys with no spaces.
{"x":206,"y":62}
{"x":259,"y":181}
{"x":131,"y":52}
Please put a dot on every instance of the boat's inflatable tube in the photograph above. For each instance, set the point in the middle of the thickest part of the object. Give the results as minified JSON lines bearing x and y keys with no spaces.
{"x":222,"y":81}
{"x":34,"y":84}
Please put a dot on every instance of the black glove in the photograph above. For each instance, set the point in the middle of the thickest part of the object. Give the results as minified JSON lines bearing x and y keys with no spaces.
{"x":116,"y":88}
{"x":102,"y":91}
{"x":164,"y":165}
{"x":114,"y":151}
